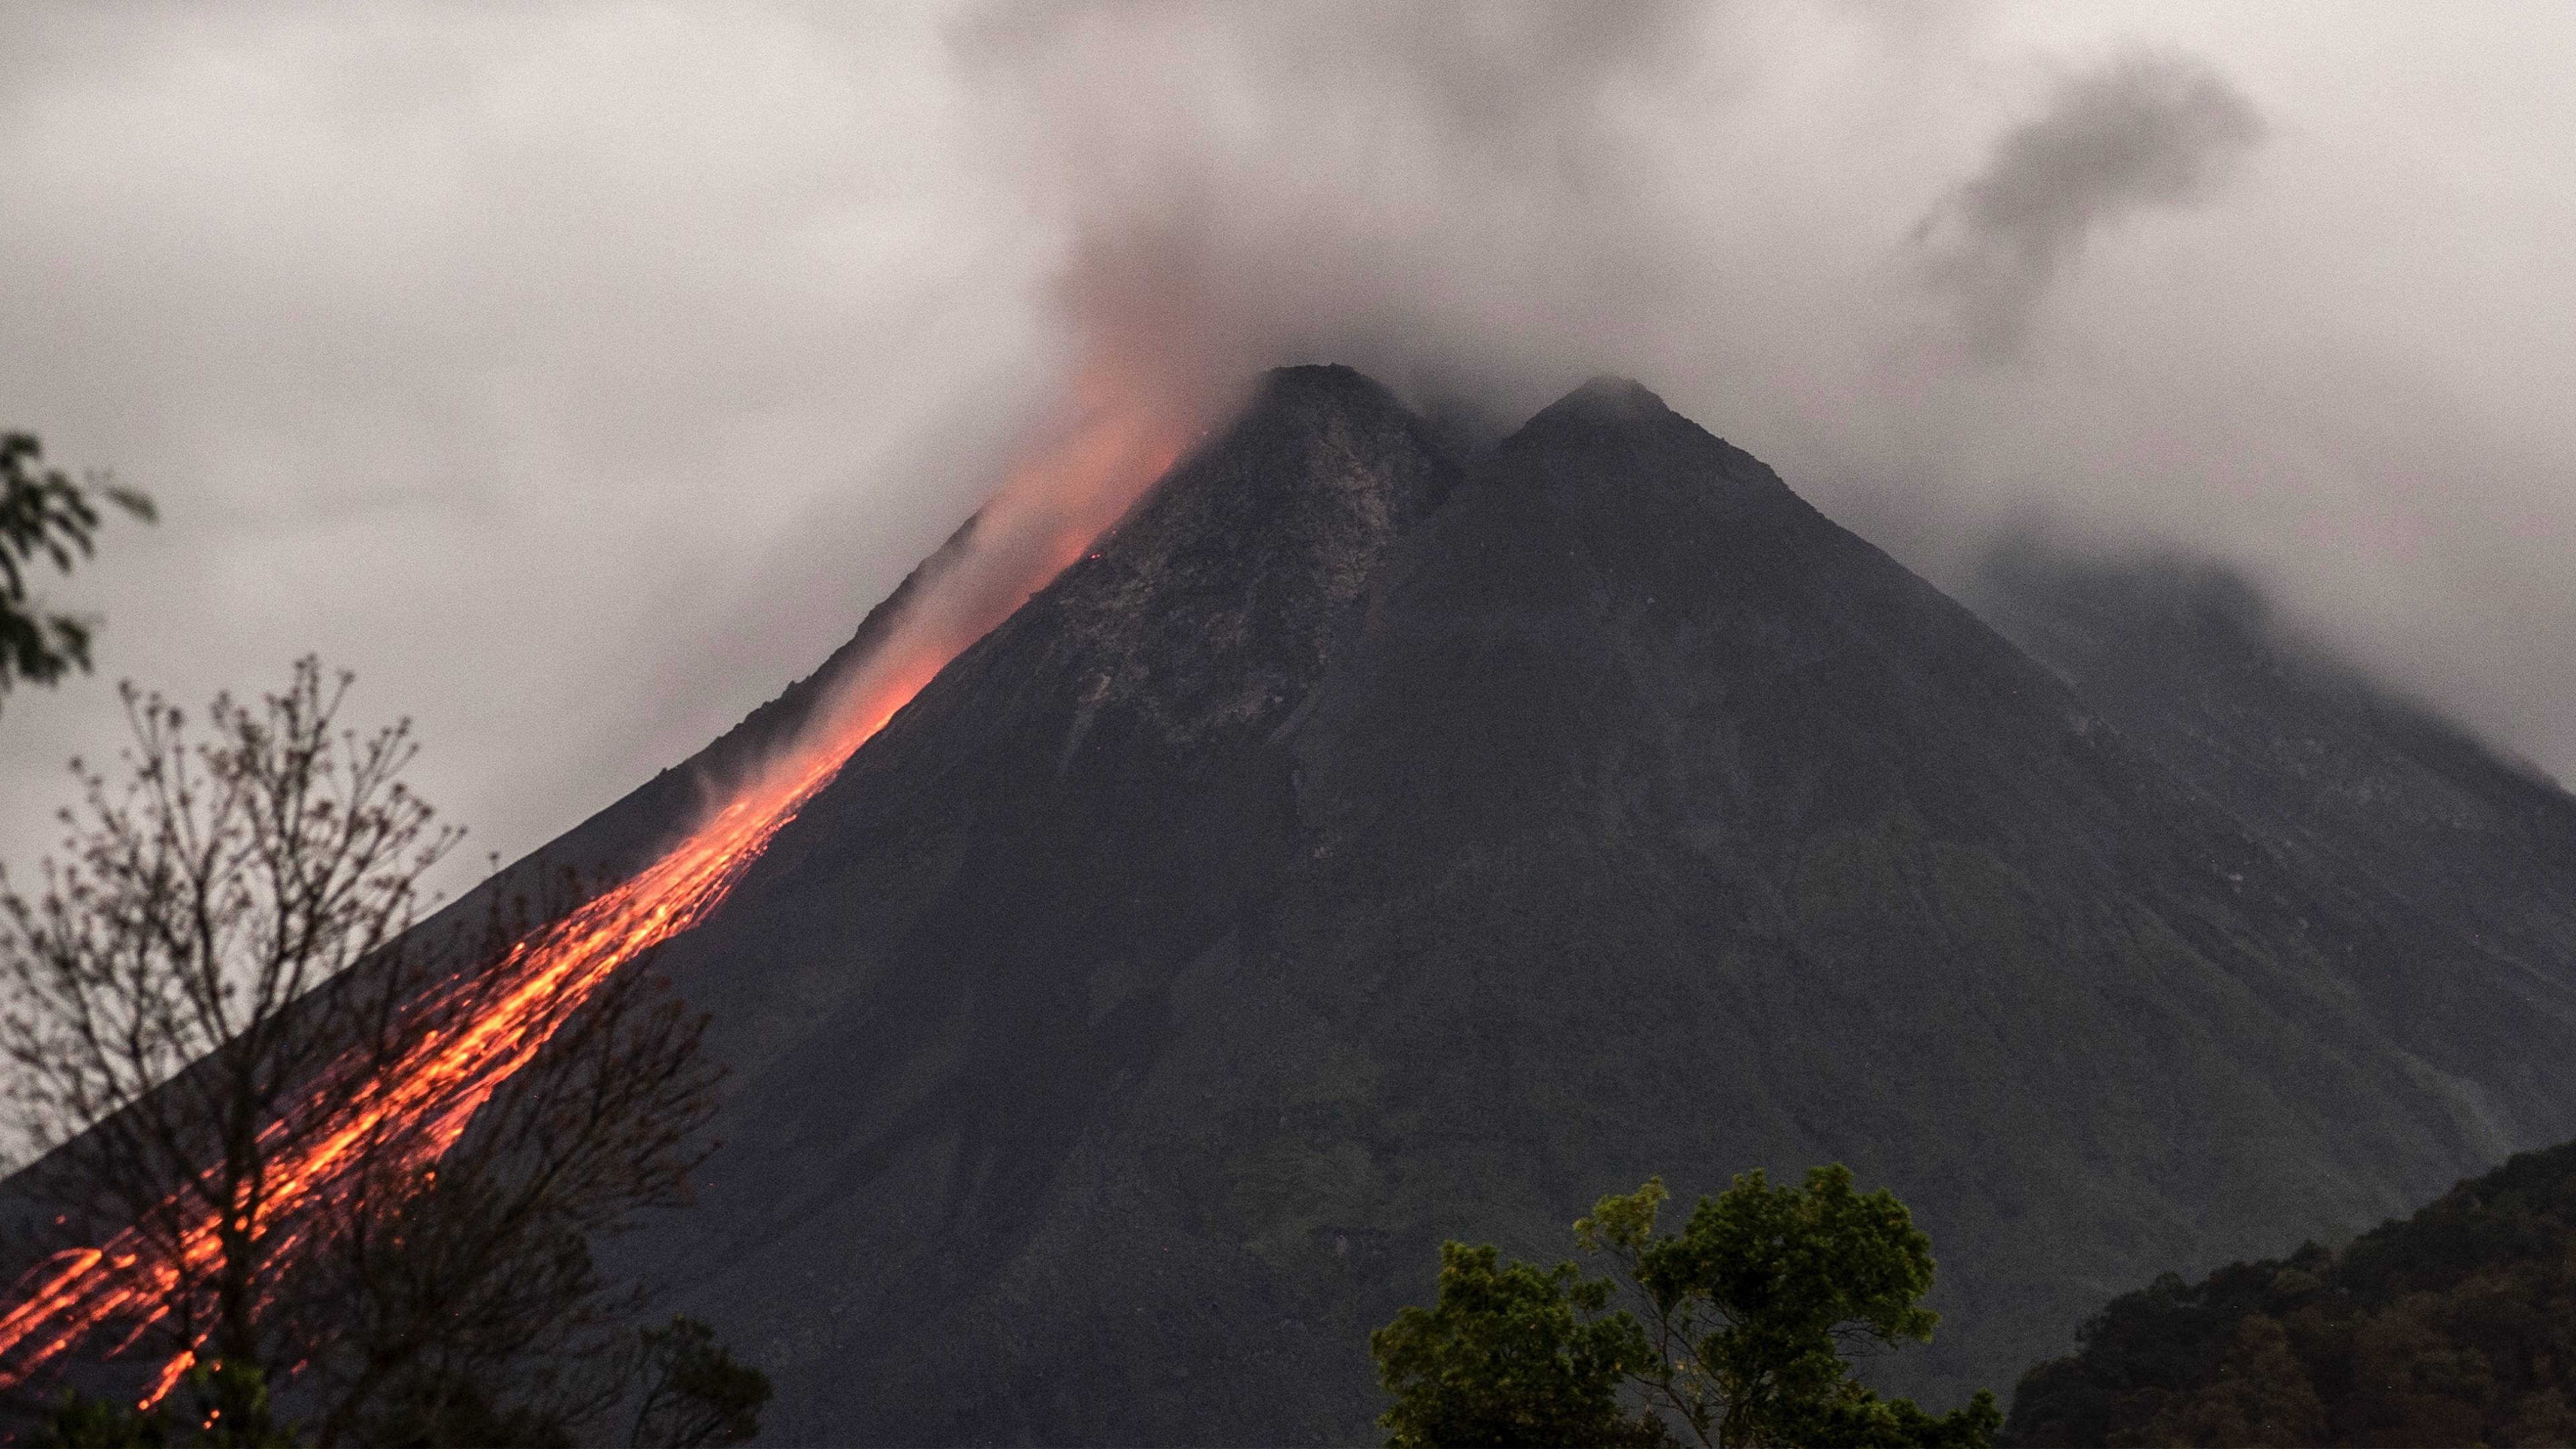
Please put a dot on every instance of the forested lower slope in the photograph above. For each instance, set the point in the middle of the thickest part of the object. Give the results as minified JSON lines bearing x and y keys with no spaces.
{"x":2454,"y":1326}
{"x":2456,"y":865}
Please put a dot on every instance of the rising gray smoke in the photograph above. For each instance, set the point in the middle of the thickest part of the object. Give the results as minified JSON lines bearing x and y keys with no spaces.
{"x":1438,"y":194}
{"x":2144,"y":132}
{"x":1766,"y":216}
{"x":580,"y":373}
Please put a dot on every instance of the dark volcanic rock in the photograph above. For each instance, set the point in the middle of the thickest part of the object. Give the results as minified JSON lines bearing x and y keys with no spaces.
{"x":1350,"y":856}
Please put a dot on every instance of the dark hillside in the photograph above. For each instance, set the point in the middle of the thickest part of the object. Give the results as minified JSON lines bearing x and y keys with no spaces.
{"x":2461,"y":864}
{"x":2454,"y":1326}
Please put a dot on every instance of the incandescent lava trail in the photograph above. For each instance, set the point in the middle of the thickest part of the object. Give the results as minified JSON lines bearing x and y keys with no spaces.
{"x":1045,"y":515}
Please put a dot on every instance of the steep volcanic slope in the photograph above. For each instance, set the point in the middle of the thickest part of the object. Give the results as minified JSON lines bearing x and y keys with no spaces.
{"x":965,"y":957}
{"x":2465,"y":862}
{"x":1348,"y":855}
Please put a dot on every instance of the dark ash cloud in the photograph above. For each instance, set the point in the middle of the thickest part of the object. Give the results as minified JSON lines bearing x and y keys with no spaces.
{"x":2145,"y":131}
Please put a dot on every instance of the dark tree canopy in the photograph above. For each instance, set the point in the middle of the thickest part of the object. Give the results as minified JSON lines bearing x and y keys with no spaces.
{"x":694,"y":1392}
{"x":1511,"y":1354}
{"x":2454,"y":1326}
{"x":1733,"y":1332}
{"x":45,"y":518}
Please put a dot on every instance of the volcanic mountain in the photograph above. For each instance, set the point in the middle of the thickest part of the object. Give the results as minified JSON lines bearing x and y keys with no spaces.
{"x":1360,"y":849}
{"x":1366,"y":844}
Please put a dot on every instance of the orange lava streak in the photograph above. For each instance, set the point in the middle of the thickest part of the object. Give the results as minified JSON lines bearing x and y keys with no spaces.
{"x":1054,"y":507}
{"x":435,"y":1090}
{"x":179,"y":1364}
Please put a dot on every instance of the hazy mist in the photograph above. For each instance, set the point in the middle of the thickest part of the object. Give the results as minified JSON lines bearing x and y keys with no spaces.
{"x":580,"y":374}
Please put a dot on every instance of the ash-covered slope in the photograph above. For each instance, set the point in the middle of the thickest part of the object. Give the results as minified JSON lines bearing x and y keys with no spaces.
{"x":1350,"y":854}
{"x":971,"y":954}
{"x":2464,"y":861}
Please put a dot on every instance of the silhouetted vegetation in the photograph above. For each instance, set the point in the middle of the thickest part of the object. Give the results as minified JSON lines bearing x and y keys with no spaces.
{"x":2454,"y":1326}
{"x":45,"y":516}
{"x":83,"y":1422}
{"x":1732,"y":1332}
{"x":224,"y":1014}
{"x":693,"y":1391}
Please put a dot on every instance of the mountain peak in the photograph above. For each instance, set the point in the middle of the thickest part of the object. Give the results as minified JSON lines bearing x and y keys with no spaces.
{"x":1327,"y":384}
{"x":1618,"y":401}
{"x":1611,"y":444}
{"x":1214,"y":604}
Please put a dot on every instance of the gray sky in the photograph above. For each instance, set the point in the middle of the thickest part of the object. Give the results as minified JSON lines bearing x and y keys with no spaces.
{"x":580,"y":374}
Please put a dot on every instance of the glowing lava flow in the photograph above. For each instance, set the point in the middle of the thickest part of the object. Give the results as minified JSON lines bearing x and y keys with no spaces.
{"x":427,"y":1100}
{"x":446,"y":1077}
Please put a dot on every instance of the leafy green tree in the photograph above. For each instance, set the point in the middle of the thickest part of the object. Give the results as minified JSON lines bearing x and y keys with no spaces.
{"x":1738,"y":1336}
{"x":1752,"y":1305}
{"x":1511,"y":1354}
{"x":45,"y":516}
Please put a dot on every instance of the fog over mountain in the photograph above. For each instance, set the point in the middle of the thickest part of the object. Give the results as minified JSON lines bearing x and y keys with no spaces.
{"x":580,"y":373}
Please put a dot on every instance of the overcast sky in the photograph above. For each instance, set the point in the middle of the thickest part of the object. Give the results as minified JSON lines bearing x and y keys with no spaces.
{"x":579,"y":374}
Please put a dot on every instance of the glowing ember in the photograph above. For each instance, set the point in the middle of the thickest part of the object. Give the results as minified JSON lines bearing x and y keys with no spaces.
{"x":1045,"y":517}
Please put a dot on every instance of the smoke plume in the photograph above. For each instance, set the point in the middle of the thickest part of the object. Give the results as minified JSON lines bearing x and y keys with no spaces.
{"x":2146,"y":131}
{"x":579,"y":373}
{"x":1437,"y":194}
{"x":2079,"y":311}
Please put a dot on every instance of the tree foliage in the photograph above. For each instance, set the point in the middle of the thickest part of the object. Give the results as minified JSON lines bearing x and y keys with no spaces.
{"x":1733,"y":1332}
{"x":83,"y":1422}
{"x":1511,"y":1354}
{"x":693,"y":1391}
{"x":2455,"y":1326}
{"x":232,"y":944}
{"x":45,"y":517}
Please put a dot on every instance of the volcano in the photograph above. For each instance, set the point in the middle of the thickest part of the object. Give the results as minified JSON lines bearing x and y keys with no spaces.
{"x":1365,"y":846}
{"x":1371,"y":841}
